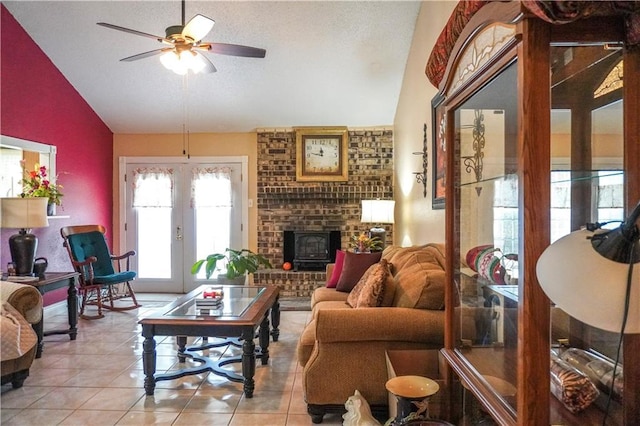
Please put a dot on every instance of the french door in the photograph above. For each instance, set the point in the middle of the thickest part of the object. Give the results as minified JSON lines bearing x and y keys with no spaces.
{"x":177,"y":211}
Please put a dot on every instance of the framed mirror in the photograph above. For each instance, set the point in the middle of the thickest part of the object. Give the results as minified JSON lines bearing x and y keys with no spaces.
{"x":12,"y":152}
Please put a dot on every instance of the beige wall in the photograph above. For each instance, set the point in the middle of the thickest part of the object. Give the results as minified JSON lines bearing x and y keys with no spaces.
{"x":200,"y":144}
{"x":416,"y":222}
{"x":602,"y":145}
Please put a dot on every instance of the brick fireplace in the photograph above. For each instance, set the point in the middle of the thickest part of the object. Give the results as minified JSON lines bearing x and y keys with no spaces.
{"x":287,"y":205}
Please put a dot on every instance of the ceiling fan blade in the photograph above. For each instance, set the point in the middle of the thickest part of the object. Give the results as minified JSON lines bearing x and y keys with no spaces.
{"x":234,"y":50}
{"x":146,"y":54}
{"x":209,"y":67}
{"x":130,"y":31}
{"x":198,"y":27}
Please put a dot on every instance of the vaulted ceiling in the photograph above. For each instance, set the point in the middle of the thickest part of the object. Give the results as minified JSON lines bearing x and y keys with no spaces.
{"x":327,"y":63}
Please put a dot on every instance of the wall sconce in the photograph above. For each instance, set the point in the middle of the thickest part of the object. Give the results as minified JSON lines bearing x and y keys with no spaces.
{"x":474,"y":163}
{"x":421,"y":177}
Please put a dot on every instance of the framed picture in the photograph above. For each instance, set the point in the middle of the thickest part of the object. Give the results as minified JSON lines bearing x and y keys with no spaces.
{"x":439,"y":129}
{"x":322,"y":154}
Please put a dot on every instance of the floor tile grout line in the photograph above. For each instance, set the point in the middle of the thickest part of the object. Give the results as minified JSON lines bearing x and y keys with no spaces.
{"x":125,"y":321}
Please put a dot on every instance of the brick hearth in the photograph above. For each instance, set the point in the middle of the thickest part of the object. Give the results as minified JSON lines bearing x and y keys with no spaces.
{"x":287,"y":205}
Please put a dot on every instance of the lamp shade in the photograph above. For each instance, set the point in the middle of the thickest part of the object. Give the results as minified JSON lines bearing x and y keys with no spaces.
{"x":587,"y":285}
{"x":377,"y":211}
{"x":23,"y":213}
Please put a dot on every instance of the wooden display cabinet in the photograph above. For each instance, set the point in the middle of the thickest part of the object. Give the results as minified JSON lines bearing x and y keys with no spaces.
{"x":522,"y":107}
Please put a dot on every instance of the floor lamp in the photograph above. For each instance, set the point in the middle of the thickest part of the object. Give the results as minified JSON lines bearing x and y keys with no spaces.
{"x":594,"y":276}
{"x":23,"y":214}
{"x":378,"y":212}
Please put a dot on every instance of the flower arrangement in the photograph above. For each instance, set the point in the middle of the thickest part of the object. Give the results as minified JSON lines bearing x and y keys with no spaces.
{"x":36,"y":183}
{"x":363,"y":243}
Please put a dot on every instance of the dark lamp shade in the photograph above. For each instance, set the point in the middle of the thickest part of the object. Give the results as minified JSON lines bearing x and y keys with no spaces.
{"x":588,"y":286}
{"x":23,"y":213}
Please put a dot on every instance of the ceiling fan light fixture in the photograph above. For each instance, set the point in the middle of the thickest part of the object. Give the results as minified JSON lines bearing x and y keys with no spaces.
{"x":169,"y":59}
{"x":182,"y":62}
{"x":197,"y":63}
{"x":187,"y":59}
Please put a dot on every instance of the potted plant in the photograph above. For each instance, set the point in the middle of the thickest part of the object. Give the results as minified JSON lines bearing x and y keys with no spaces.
{"x":364,"y":244}
{"x":239,"y":263}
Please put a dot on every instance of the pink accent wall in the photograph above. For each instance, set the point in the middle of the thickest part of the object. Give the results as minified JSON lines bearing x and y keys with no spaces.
{"x":39,"y":104}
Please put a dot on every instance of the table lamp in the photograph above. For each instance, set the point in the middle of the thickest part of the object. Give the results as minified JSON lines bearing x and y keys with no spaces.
{"x":594,"y":276}
{"x":23,"y":214}
{"x":377,"y":212}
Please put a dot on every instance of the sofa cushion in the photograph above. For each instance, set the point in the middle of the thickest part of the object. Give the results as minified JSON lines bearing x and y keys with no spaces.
{"x":323,"y":294}
{"x":370,"y":290}
{"x":306,"y":342}
{"x":399,"y":256}
{"x":337,"y":270}
{"x":355,"y":265}
{"x":420,"y":282}
{"x":17,"y":336}
{"x":335,"y":305}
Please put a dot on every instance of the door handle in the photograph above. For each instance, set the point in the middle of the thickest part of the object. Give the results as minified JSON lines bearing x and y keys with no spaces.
{"x":179,"y":233}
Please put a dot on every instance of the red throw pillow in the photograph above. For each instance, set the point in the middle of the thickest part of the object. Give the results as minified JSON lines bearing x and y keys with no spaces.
{"x":337,"y":270}
{"x":355,"y":265}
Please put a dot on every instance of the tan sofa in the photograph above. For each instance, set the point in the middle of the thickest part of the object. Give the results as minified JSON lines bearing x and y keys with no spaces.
{"x":17,"y":338}
{"x":343,"y":348}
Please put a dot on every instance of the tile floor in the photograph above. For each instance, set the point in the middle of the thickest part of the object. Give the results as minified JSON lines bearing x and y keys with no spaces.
{"x":98,"y":380}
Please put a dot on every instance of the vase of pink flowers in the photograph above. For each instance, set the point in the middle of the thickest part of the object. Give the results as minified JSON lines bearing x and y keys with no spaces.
{"x":36,"y":183}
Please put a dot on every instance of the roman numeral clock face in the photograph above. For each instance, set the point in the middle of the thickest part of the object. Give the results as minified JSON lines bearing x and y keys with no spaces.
{"x":322,"y":155}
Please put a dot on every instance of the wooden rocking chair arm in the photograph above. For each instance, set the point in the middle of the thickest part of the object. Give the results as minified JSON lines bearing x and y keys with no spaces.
{"x":123,"y":256}
{"x":85,"y":265}
{"x":127,"y":257}
{"x":87,"y":262}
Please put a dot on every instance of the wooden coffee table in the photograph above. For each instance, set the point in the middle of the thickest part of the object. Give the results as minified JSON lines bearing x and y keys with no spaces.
{"x":244,"y":310}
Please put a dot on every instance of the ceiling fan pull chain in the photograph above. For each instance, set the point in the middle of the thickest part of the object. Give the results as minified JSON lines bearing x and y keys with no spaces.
{"x":185,"y":116}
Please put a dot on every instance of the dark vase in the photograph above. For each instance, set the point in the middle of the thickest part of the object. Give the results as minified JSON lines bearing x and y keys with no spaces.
{"x":412,"y":396}
{"x":51,"y":209}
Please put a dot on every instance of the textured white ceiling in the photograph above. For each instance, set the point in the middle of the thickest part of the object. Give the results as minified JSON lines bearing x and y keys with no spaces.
{"x":327,"y":63}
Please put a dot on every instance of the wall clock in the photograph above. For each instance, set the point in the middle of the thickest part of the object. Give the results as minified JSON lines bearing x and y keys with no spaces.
{"x":322,"y":154}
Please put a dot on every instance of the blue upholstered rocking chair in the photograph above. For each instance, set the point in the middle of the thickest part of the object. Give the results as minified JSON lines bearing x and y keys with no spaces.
{"x":102,"y":276}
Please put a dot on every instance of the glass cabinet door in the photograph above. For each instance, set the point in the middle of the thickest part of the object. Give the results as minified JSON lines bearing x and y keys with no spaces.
{"x":486,"y":185}
{"x":587,"y":182}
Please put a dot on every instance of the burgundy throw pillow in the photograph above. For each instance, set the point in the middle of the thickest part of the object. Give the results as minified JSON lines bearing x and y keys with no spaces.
{"x":337,"y":270}
{"x":355,"y":265}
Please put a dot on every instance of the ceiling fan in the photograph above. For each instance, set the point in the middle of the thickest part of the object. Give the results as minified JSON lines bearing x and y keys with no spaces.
{"x":184,"y":46}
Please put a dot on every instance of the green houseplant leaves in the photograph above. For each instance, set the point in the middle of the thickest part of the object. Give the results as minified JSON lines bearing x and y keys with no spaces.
{"x":239,"y":263}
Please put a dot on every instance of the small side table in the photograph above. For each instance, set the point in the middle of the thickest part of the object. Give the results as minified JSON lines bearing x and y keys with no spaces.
{"x":53,"y":281}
